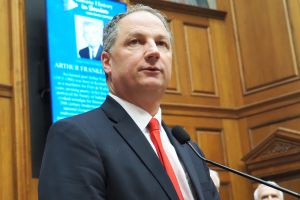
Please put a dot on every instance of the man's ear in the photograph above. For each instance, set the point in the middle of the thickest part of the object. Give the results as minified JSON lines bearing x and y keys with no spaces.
{"x":105,"y":57}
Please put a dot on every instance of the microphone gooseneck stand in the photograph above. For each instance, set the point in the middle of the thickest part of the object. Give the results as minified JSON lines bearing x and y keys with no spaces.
{"x":183,"y":138}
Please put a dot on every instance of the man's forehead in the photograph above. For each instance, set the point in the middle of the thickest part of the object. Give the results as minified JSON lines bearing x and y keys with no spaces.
{"x":268,"y":190}
{"x":141,"y":18}
{"x":141,"y":22}
{"x":139,"y":12}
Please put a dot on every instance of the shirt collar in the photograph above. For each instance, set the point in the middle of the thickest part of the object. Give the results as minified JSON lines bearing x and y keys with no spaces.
{"x":139,"y":115}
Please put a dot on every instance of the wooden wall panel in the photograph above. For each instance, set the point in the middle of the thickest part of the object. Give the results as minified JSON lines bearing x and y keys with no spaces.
{"x":292,"y":182}
{"x":225,"y":189}
{"x":194,"y":81}
{"x":229,"y":86}
{"x":267,"y":42}
{"x":259,"y":133}
{"x":225,"y":192}
{"x":200,"y":60}
{"x":5,"y":77}
{"x":293,"y":9}
{"x":212,"y":143}
{"x":15,"y":168}
{"x":7,"y":164}
{"x":7,"y":153}
{"x":33,"y":190}
{"x":234,"y":146}
{"x":272,"y":60}
{"x":262,"y":125}
{"x":174,"y":85}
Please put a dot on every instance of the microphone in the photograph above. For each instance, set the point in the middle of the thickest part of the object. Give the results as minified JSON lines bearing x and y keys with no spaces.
{"x":183,"y":138}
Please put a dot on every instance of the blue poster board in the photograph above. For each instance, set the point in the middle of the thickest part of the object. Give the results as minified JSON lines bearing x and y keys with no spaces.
{"x":77,"y":80}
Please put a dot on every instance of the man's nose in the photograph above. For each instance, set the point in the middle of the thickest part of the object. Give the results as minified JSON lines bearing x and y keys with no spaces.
{"x":152,"y":53}
{"x":270,"y":197}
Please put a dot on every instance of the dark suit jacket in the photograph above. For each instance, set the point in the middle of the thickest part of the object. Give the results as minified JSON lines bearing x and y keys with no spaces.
{"x":85,"y":53}
{"x":102,"y":154}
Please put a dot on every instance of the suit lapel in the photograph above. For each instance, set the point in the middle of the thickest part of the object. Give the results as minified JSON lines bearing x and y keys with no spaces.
{"x":186,"y":160}
{"x":130,"y":132}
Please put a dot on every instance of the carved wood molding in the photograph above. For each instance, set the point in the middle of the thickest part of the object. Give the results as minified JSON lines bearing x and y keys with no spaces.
{"x":198,"y":111}
{"x":5,"y":90}
{"x":269,"y":104}
{"x":22,"y":148}
{"x":275,"y":153}
{"x":182,"y":8}
{"x":240,"y":112}
{"x":266,"y":86}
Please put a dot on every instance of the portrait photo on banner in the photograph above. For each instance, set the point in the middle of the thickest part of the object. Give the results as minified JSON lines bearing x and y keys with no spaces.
{"x":88,"y":37}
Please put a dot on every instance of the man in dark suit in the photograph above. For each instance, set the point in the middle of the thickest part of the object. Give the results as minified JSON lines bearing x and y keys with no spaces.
{"x":92,"y":33}
{"x":115,"y":152}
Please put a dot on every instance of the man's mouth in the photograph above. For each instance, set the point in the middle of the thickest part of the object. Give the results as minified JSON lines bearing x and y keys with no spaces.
{"x":153,"y":69}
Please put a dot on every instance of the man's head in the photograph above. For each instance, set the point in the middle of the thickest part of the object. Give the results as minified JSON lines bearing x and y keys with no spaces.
{"x":110,"y":32}
{"x":264,"y":192}
{"x":137,"y":56}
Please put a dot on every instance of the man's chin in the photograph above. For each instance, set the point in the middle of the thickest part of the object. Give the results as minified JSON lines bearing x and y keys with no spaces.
{"x":154,"y":84}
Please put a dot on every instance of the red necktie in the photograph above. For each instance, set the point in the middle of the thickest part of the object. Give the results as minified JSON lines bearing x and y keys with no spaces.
{"x":154,"y":130}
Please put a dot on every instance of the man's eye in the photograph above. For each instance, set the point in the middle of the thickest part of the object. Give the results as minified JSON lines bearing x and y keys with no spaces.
{"x":162,"y":44}
{"x":133,"y":42}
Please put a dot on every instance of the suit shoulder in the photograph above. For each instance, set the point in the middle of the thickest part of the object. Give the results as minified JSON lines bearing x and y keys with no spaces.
{"x":88,"y":120}
{"x":95,"y":116}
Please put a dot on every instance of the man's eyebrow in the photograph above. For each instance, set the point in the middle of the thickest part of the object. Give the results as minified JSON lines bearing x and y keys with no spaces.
{"x":141,"y":33}
{"x":134,"y":34}
{"x":164,"y":37}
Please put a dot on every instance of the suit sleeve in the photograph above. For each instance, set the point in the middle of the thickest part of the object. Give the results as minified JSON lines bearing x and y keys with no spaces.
{"x":72,"y":168}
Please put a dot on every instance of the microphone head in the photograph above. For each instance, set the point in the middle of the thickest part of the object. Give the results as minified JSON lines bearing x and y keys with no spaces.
{"x":180,"y":134}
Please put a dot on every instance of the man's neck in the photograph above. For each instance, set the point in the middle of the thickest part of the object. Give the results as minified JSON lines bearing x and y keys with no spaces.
{"x":149,"y":105}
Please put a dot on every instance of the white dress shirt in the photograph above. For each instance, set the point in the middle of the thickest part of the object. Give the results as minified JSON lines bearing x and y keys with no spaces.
{"x":142,"y":119}
{"x":92,"y":53}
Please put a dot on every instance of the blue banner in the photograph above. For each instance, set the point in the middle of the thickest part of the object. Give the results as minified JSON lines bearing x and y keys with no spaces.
{"x":77,"y":80}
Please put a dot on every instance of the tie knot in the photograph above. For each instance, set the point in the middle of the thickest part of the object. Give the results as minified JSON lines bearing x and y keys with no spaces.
{"x":153,"y":125}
